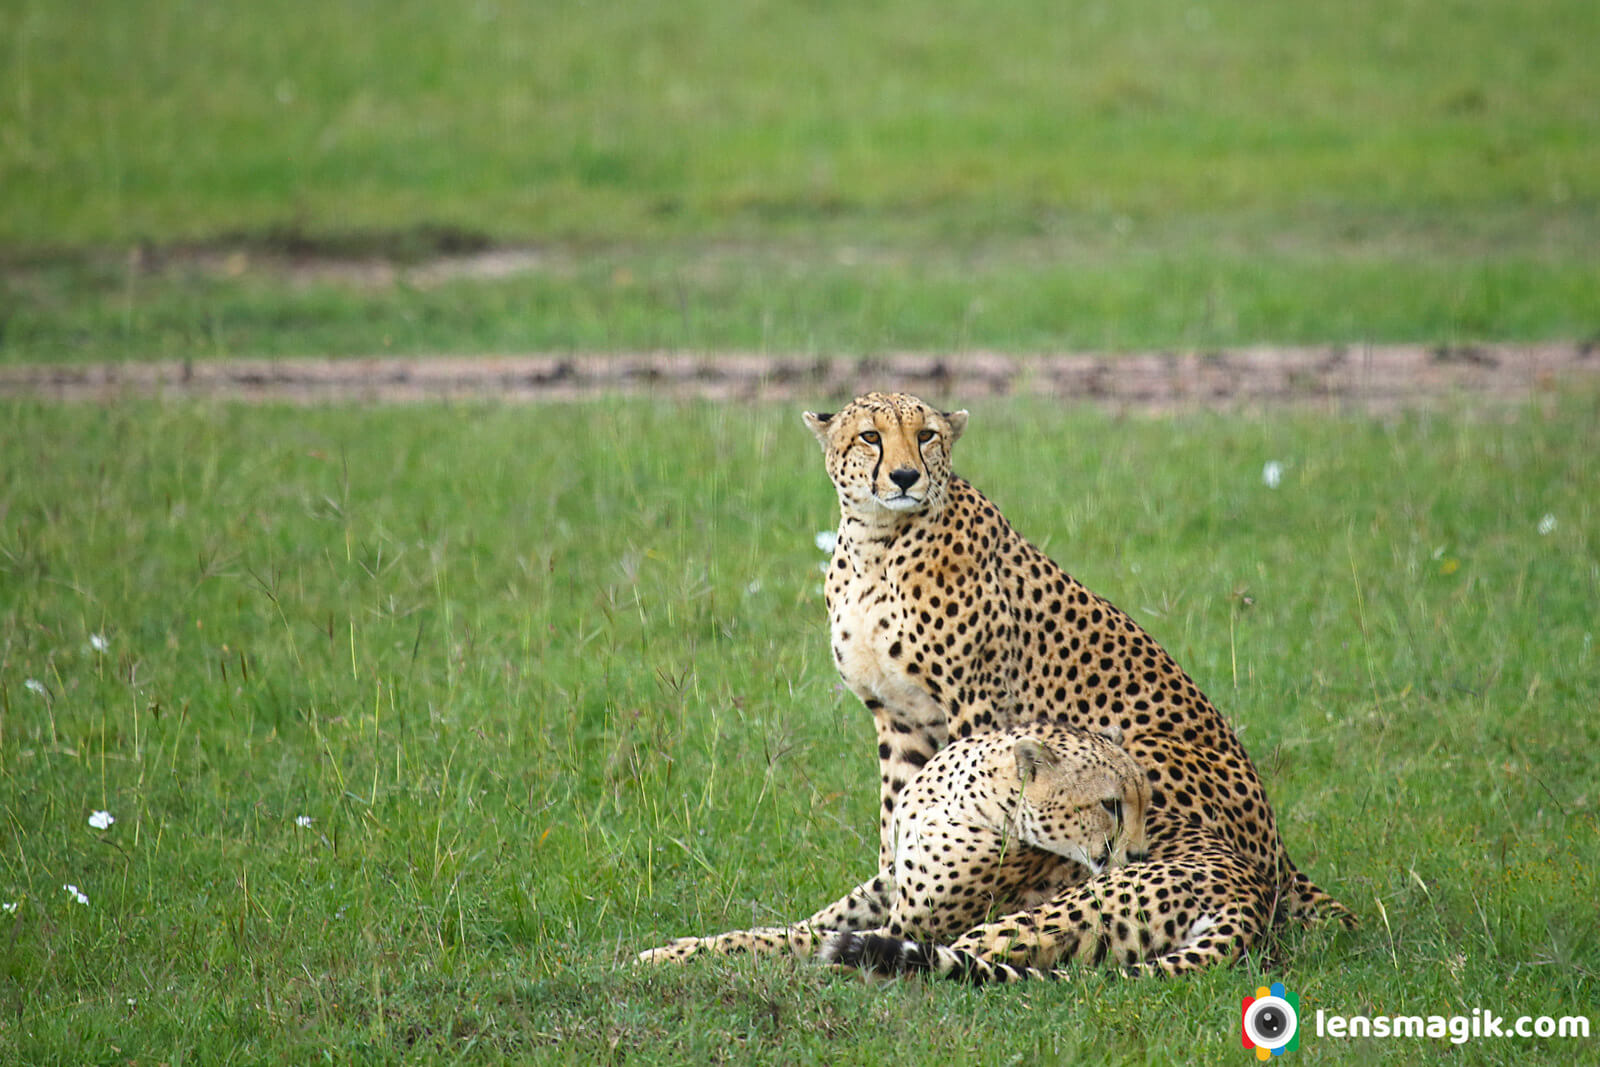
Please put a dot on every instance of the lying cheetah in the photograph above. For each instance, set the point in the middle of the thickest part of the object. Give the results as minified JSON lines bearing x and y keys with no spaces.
{"x":946,"y":623}
{"x":995,"y":821}
{"x":1074,"y":800}
{"x":1195,"y":903}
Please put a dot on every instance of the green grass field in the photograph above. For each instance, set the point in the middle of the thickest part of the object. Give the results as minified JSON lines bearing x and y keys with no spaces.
{"x":417,"y":723}
{"x":804,"y":178}
{"x":551,"y":684}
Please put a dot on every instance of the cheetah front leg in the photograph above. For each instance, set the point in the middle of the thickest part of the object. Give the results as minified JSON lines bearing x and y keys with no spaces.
{"x":866,"y":907}
{"x":1213,"y":940}
{"x":1010,"y":948}
{"x":1216,"y":937}
{"x":1138,"y":940}
{"x":1166,"y":917}
{"x":903,"y":749}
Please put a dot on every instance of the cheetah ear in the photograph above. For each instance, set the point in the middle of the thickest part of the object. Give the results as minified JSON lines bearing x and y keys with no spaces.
{"x":1031,"y":756}
{"x":1111,"y":732}
{"x":958,"y":424}
{"x":818,"y":422}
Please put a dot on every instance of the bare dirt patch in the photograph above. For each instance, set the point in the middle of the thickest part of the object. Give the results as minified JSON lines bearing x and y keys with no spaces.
{"x":1340,"y":378}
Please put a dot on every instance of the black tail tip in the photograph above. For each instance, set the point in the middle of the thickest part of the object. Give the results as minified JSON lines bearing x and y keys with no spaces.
{"x":841,"y":948}
{"x":873,"y":952}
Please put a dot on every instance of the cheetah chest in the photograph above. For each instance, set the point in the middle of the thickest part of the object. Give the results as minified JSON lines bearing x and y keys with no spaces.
{"x":870,"y":649}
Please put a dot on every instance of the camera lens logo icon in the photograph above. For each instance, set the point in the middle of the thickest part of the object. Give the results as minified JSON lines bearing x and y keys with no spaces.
{"x":1271,"y":1021}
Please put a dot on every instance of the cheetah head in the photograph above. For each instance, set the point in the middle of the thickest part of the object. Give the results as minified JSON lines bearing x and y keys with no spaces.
{"x":1085,"y":800}
{"x":888,"y":452}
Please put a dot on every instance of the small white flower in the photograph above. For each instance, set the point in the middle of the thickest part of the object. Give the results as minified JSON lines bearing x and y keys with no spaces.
{"x":102,"y":820}
{"x":1272,"y":474}
{"x":76,"y":894}
{"x":9,"y":907}
{"x":754,"y":587}
{"x":303,"y":821}
{"x":1547,"y":526}
{"x":36,"y":686}
{"x":98,"y":642}
{"x":826,"y":540}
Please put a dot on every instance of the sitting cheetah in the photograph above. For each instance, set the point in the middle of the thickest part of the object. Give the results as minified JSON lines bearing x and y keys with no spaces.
{"x":946,"y":623}
{"x":1000,"y":820}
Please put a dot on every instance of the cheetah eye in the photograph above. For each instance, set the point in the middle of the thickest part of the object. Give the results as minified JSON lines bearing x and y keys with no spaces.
{"x":1114,"y":807}
{"x":871,"y":437}
{"x":925,"y":436}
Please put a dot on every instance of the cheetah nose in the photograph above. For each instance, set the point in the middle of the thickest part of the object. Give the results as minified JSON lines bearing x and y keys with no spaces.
{"x":905,"y":477}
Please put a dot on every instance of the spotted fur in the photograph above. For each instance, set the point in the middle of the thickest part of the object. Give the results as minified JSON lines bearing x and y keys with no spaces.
{"x":947,"y":623}
{"x":994,"y":822}
{"x":1006,"y":818}
{"x":1196,"y":903}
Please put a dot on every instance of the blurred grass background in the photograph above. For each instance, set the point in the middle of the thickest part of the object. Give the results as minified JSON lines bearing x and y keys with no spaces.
{"x":802,"y":177}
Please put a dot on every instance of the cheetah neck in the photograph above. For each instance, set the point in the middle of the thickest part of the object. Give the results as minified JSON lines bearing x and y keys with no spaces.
{"x":866,"y":536}
{"x":866,"y":543}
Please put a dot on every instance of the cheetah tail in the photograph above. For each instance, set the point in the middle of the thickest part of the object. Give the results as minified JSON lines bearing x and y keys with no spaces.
{"x":1304,"y":903}
{"x":881,"y":954}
